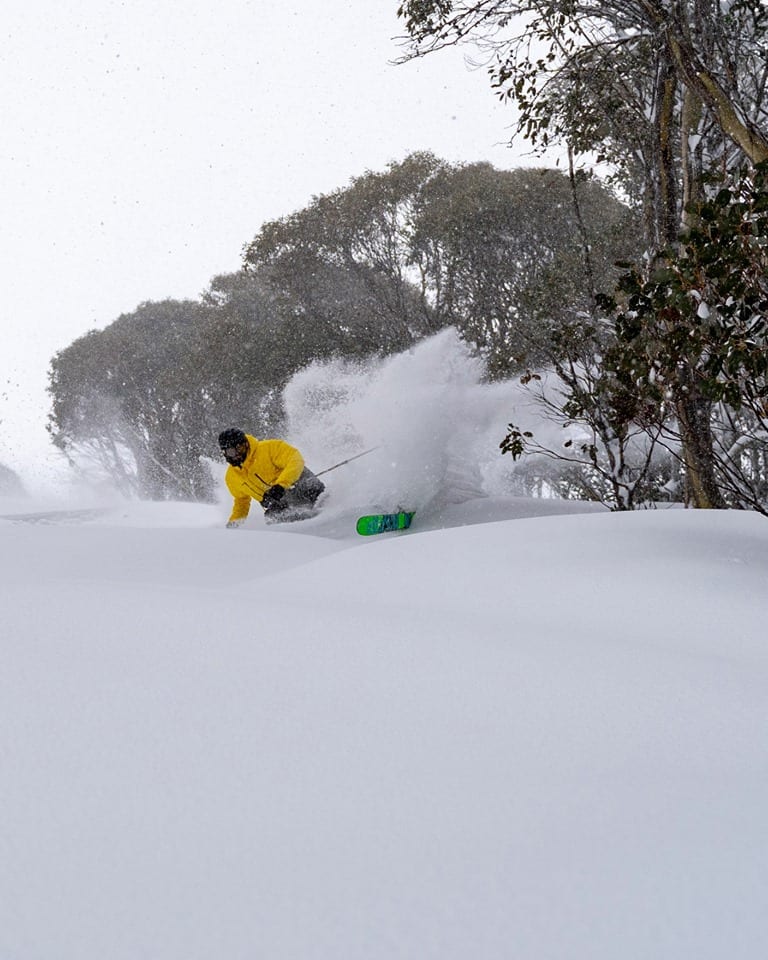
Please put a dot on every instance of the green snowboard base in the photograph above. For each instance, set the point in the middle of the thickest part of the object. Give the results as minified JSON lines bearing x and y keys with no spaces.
{"x":384,"y":522}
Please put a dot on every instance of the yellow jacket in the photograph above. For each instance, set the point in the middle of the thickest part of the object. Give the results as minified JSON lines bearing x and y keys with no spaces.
{"x":268,"y":462}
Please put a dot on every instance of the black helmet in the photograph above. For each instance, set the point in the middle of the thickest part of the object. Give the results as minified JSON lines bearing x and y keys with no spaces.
{"x":231,"y":437}
{"x":234,"y":446}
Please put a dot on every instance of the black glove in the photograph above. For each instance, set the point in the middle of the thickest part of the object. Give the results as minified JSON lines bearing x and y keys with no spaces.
{"x":273,"y":496}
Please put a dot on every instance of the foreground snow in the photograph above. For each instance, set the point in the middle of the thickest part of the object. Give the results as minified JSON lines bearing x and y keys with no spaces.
{"x":538,"y":738}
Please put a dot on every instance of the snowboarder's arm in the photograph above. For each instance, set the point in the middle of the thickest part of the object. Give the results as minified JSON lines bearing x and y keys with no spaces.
{"x":288,"y":460}
{"x":241,"y":498}
{"x":240,"y":508}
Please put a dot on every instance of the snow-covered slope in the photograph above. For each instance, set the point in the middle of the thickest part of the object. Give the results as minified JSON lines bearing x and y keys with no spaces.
{"x":537,"y":737}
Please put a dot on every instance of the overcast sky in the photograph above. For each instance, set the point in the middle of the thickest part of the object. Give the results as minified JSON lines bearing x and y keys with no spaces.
{"x":143,"y":143}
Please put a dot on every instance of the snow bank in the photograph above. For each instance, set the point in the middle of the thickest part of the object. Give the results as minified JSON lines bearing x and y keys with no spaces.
{"x":531,"y":738}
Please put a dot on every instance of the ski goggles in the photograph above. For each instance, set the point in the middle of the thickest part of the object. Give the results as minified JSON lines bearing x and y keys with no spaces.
{"x":238,"y":452}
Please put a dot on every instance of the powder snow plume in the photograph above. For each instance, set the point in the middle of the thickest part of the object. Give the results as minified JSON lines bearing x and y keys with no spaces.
{"x":435,"y":424}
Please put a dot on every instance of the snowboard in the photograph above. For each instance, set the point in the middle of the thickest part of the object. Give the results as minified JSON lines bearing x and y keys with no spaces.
{"x":383,"y":522}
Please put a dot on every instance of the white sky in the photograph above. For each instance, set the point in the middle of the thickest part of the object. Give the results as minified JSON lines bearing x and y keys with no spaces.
{"x":143,"y":144}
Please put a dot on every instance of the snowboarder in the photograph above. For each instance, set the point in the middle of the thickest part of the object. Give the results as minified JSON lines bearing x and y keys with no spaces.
{"x":269,"y":471}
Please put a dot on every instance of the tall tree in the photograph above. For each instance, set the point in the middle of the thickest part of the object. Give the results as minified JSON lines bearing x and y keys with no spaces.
{"x":669,"y":90}
{"x":491,"y":252}
{"x":359,"y":237}
{"x":127,"y":395}
{"x":705,"y":308}
{"x":502,"y":253}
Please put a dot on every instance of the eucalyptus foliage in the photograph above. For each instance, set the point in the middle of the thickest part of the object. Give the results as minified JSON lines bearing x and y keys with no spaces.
{"x":700,"y":313}
{"x":496,"y":253}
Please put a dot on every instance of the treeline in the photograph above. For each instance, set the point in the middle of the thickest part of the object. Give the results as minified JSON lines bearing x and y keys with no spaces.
{"x":362,"y":272}
{"x":657,"y":371}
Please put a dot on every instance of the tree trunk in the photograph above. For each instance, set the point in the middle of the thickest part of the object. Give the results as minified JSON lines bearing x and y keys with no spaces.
{"x":693,"y":411}
{"x":705,"y":83}
{"x":694,"y":423}
{"x":690,"y":154}
{"x":666,"y":207}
